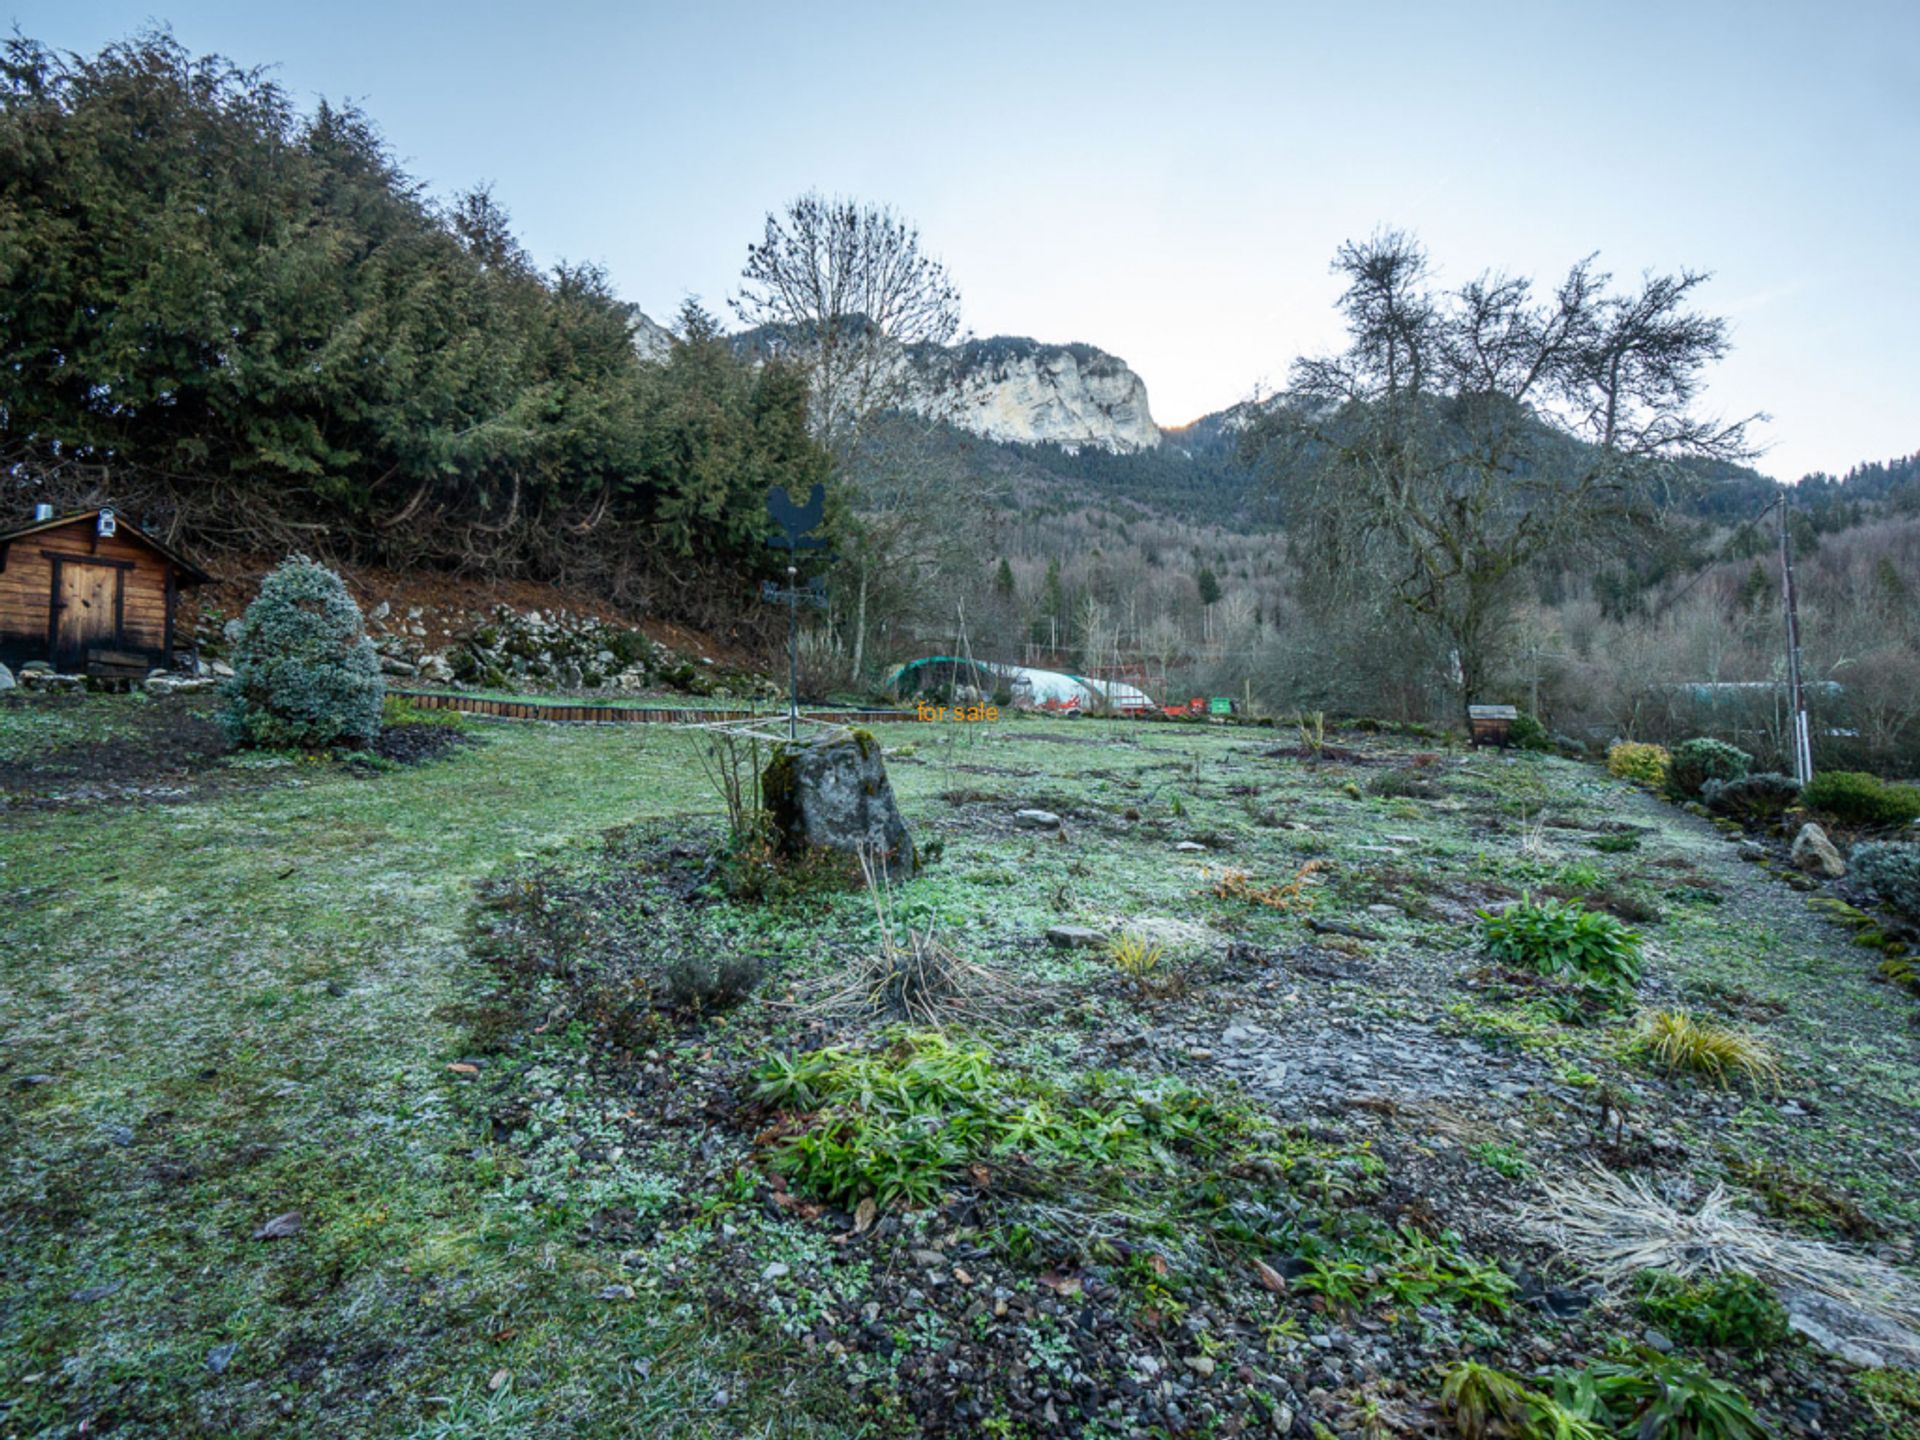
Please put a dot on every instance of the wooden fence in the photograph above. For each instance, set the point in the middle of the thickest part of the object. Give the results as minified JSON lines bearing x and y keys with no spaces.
{"x":566,"y":714}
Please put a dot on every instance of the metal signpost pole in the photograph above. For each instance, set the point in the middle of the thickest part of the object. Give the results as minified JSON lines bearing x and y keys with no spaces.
{"x":795,"y":521}
{"x":793,"y":652}
{"x":1796,"y":697}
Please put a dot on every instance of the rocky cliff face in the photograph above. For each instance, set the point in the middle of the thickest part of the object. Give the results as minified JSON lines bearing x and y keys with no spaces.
{"x":650,"y":341}
{"x":1007,"y":388}
{"x":1010,"y":388}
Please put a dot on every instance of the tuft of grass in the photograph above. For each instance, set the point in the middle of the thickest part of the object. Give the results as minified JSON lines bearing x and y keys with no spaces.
{"x":1135,"y":956}
{"x":1680,"y":1044}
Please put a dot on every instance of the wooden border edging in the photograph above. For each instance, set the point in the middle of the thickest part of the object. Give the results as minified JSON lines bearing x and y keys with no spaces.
{"x":565,"y":714}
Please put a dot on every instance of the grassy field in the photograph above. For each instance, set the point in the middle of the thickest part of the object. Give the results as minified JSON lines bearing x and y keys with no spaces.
{"x":263,"y":999}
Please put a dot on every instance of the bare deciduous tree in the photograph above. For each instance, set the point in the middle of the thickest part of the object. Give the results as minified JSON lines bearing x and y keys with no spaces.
{"x":845,"y":289}
{"x":1465,"y":436}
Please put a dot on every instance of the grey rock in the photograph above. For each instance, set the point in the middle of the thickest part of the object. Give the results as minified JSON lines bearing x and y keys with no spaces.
{"x":1814,"y":853}
{"x":394,"y":665}
{"x":437,"y":668}
{"x":1070,"y":937}
{"x":1190,"y":847}
{"x":6,"y":679}
{"x":832,"y":792}
{"x":1658,"y":1341}
{"x":221,"y":669}
{"x":1855,"y":1336}
{"x":1036,"y":820}
{"x":221,"y":1356}
{"x":230,"y":632}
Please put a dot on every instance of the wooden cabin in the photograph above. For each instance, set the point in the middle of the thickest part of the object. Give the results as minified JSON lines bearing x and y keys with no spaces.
{"x":91,"y":594}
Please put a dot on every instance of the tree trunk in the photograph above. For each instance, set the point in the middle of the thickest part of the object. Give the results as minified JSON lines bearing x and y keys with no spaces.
{"x":860,"y":629}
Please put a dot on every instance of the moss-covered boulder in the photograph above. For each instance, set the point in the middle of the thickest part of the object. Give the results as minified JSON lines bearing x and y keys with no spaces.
{"x":831,"y":792}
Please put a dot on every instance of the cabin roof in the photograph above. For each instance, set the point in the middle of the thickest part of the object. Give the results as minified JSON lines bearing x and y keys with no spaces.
{"x":192,"y":574}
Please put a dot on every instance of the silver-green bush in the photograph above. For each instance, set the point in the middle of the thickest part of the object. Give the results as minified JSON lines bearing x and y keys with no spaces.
{"x":1892,"y":870}
{"x":304,"y":672}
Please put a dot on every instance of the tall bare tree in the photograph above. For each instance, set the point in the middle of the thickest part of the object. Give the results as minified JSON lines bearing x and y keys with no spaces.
{"x":1465,"y":436}
{"x":845,"y":289}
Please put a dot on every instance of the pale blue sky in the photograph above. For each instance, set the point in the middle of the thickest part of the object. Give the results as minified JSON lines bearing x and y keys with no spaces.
{"x":1169,"y":182}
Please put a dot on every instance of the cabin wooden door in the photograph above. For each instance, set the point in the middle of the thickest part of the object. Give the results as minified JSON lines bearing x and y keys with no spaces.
{"x":86,"y":598}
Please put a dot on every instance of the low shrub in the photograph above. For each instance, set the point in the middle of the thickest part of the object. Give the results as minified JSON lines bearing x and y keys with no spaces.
{"x":1732,"y":1312}
{"x":1857,"y":798}
{"x":1697,"y":761}
{"x":1644,"y":764}
{"x":1891,"y":871}
{"x":1753,"y":799}
{"x":305,"y":675}
{"x":1564,"y":939}
{"x":1679,"y":1044}
{"x":1528,"y":733}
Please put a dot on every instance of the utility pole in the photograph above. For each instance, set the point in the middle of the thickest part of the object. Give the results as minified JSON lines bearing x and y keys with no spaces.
{"x":1796,"y":696}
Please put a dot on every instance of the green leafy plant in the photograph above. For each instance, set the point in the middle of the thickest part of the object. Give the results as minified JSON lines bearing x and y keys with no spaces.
{"x":1680,"y":1044}
{"x":1733,"y":1312}
{"x":1564,"y":939}
{"x":1644,"y":764}
{"x":1857,"y":798}
{"x":1694,"y":762}
{"x":1892,"y":871}
{"x":1488,"y":1404}
{"x":1617,"y":843}
{"x":1502,"y":1159}
{"x":1371,"y":1261}
{"x":900,"y":1125}
{"x":304,"y":673}
{"x":1651,"y":1397}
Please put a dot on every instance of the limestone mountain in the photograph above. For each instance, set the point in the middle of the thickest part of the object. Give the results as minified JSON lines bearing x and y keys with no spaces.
{"x":1010,"y":388}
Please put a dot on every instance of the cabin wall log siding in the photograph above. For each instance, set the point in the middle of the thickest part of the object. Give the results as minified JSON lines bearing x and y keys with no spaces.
{"x":26,"y":590}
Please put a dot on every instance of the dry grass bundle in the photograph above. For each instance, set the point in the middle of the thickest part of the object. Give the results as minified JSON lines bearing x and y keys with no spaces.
{"x":1617,"y":1226}
{"x":1680,"y":1044}
{"x":914,"y":976}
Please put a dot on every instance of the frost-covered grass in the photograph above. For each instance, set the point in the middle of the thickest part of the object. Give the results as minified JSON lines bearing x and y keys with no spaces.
{"x":224,"y":1010}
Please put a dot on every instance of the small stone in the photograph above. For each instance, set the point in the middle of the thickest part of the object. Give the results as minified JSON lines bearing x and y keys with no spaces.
{"x":221,"y":1356}
{"x":1069,"y":937}
{"x":6,"y":679}
{"x":1036,"y":820}
{"x":776,"y":1271}
{"x":1190,"y":847}
{"x":1657,"y":1341}
{"x":281,"y":1227}
{"x":96,"y":1292}
{"x":617,"y":1292}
